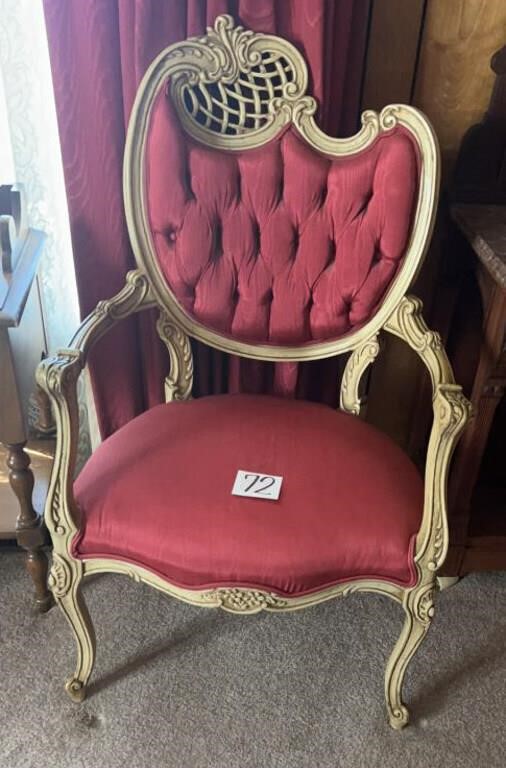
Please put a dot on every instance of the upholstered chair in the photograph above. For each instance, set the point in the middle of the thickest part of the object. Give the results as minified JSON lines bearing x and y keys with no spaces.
{"x":258,"y":234}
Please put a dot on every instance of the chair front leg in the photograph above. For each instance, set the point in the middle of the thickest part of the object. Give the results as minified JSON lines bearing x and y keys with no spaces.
{"x":65,"y":581}
{"x":419,"y":609}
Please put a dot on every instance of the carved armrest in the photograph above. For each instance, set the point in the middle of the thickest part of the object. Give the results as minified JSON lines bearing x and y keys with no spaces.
{"x":451,"y":412}
{"x":58,"y":377}
{"x":134,"y":296}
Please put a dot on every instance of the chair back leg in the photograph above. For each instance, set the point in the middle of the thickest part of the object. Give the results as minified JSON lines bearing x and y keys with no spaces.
{"x":419,"y":609}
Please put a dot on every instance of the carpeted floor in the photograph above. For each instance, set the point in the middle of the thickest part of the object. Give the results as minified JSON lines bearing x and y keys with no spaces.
{"x":181,"y":687}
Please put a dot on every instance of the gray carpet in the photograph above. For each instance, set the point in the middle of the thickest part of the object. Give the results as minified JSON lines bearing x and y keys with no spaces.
{"x":182,"y":687}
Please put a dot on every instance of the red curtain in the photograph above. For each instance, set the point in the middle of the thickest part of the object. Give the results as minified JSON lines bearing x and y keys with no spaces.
{"x":99,"y":50}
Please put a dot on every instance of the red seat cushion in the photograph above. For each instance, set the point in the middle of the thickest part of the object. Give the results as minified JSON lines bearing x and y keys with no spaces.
{"x":158,"y":493}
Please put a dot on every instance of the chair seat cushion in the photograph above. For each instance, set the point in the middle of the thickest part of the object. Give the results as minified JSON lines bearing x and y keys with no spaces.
{"x":158,"y":493}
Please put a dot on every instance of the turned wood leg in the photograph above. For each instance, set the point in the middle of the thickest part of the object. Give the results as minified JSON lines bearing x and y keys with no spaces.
{"x":30,"y":529}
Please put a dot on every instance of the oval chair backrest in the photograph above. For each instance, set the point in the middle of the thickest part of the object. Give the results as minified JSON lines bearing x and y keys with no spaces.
{"x":260,"y":234}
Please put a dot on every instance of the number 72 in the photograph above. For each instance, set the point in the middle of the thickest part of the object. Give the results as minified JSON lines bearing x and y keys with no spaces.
{"x":257,"y":485}
{"x":257,"y":481}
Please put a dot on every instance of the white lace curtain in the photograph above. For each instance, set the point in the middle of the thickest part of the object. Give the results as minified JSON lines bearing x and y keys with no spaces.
{"x":30,"y":154}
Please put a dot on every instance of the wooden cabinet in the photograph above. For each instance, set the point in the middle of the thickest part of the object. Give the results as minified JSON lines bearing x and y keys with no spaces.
{"x":477,"y":344}
{"x":476,"y":337}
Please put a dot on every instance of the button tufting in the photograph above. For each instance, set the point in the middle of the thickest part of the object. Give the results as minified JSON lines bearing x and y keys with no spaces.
{"x":217,"y":239}
{"x":282,"y":215}
{"x":255,"y":231}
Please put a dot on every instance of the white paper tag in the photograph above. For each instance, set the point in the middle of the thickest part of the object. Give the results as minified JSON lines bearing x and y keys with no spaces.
{"x":257,"y":485}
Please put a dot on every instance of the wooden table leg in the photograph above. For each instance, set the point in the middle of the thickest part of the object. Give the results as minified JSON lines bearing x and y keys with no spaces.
{"x":30,"y":529}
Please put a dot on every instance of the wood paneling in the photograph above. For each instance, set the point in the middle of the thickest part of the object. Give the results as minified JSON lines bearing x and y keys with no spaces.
{"x":390,"y":68}
{"x":435,"y":55}
{"x":454,"y":79}
{"x":395,"y":35}
{"x":453,"y":86}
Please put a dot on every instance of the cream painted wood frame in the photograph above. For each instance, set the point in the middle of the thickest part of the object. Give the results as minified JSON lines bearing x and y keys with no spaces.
{"x":216,"y":65}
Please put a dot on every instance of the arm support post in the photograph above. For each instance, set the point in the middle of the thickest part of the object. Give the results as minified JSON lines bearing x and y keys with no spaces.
{"x":58,"y":377}
{"x":451,"y":412}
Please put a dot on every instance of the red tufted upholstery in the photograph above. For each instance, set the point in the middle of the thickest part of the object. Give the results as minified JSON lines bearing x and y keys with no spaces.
{"x":279,"y":243}
{"x":157,"y":493}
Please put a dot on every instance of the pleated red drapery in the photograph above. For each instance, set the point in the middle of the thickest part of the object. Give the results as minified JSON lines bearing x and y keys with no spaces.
{"x":99,"y":50}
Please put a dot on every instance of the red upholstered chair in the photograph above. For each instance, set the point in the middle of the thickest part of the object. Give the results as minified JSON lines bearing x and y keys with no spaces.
{"x":255,"y":232}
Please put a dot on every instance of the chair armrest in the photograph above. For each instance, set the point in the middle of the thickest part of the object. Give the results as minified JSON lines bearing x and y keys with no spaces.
{"x":58,"y":377}
{"x":133,"y":297}
{"x":451,"y":412}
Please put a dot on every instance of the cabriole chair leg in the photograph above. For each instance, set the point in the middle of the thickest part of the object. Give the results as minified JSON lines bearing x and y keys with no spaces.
{"x":419,"y":609}
{"x":76,"y":611}
{"x":65,"y":581}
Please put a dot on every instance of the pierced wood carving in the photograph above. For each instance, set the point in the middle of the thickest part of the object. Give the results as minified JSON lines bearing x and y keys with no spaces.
{"x":238,"y":100}
{"x":232,"y":81}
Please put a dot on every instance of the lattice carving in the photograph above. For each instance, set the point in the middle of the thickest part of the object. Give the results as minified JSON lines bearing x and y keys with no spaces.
{"x":235,"y":80}
{"x":242,"y":105}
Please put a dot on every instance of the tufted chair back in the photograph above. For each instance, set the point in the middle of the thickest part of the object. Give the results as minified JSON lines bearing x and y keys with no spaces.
{"x":257,"y":229}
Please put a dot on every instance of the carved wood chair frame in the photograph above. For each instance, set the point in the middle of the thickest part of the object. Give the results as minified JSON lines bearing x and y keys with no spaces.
{"x":221,"y":57}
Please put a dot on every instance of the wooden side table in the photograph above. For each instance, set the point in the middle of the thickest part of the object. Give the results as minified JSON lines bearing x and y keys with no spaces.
{"x":20,"y":250}
{"x":477,"y":501}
